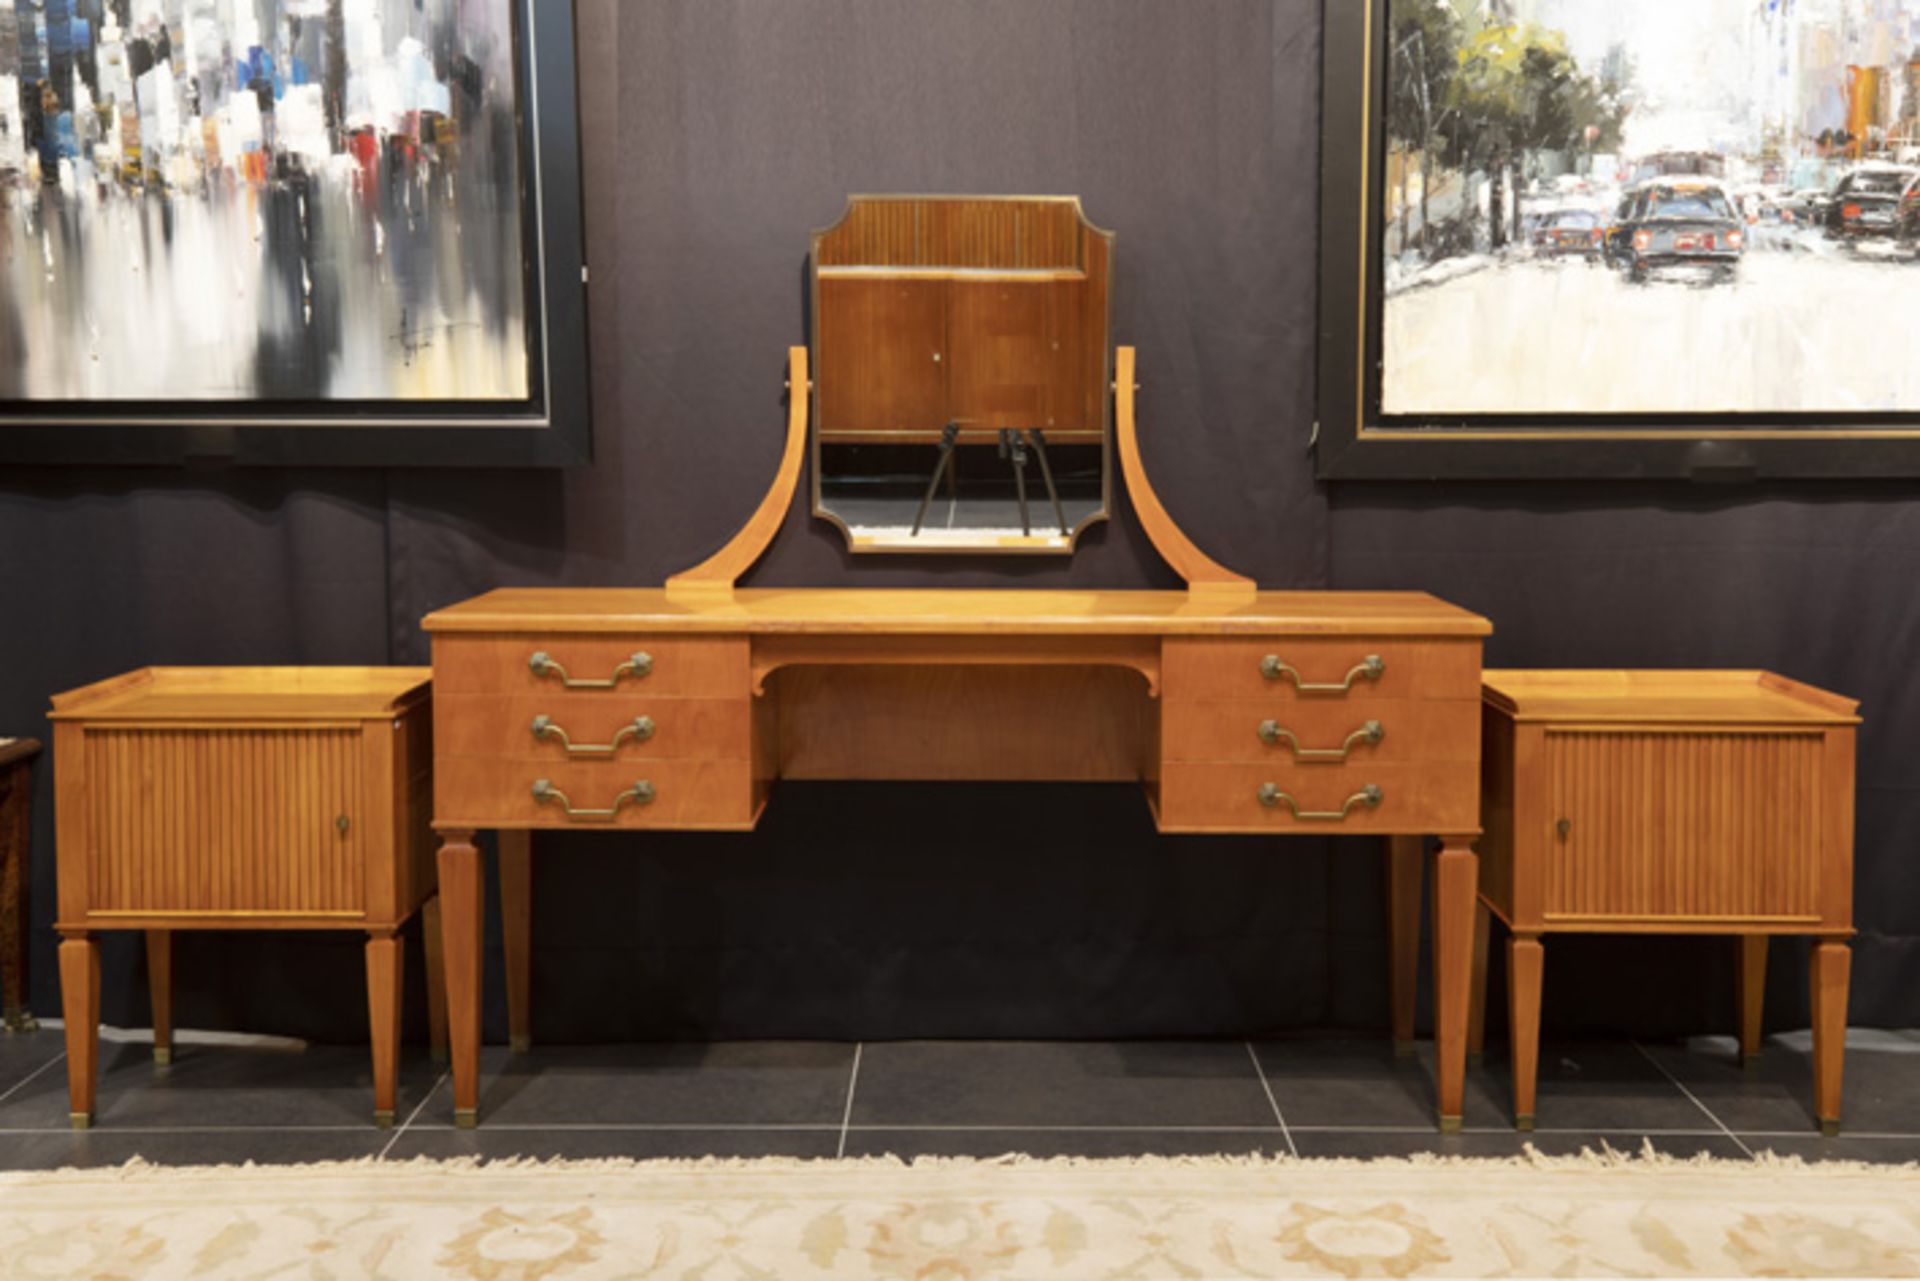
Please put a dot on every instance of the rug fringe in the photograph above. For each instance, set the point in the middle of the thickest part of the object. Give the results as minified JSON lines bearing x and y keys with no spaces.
{"x":1607,"y":1159}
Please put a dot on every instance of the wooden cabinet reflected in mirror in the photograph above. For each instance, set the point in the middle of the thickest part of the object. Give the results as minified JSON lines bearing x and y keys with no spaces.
{"x":961,"y":373}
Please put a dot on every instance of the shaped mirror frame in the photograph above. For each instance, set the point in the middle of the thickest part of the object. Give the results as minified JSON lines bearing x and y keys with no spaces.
{"x":962,"y":371}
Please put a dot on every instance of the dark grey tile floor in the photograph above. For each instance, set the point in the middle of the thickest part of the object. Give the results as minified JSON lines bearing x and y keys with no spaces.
{"x":1312,"y":1095}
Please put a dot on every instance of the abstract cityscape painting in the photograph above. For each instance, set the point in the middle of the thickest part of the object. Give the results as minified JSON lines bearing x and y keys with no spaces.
{"x":313,"y":201}
{"x":1649,"y":207}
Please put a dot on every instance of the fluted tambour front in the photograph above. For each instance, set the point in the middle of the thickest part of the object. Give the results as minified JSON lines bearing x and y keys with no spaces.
{"x":1683,"y":825}
{"x":224,"y":820}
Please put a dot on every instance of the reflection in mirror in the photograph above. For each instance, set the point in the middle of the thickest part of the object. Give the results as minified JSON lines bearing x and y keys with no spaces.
{"x":961,"y":373}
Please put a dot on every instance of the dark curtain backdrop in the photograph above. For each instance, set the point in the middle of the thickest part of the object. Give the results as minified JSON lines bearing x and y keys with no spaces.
{"x":718,"y":134}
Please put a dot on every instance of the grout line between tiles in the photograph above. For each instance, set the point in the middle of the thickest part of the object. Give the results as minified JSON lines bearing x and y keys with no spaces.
{"x":17,"y":1086}
{"x":1692,"y":1097}
{"x":517,"y":1127}
{"x":853,"y":1082}
{"x":634,"y":1127}
{"x":827,"y":1127}
{"x":187,"y":1129}
{"x":1271,"y":1101}
{"x":395,"y":1138}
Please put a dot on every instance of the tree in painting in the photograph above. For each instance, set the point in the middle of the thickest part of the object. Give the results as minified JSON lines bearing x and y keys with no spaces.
{"x":296,"y":200}
{"x":1649,"y":207}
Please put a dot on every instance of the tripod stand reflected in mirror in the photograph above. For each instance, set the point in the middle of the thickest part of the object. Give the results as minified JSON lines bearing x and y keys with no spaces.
{"x":1015,"y":444}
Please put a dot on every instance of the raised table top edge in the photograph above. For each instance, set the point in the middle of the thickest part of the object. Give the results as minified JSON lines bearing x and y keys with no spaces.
{"x":1677,"y":696}
{"x":189,"y":694}
{"x":844,"y":611}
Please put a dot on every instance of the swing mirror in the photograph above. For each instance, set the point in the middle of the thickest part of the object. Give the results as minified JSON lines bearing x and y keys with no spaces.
{"x":962,"y":374}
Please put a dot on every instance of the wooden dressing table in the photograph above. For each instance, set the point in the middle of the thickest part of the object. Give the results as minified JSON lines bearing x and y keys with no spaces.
{"x":1238,"y":711}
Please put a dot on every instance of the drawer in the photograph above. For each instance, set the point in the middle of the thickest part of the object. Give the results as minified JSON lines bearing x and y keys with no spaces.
{"x":485,"y":792}
{"x":599,"y":665}
{"x":1318,"y":733}
{"x":1423,"y":796}
{"x":636,"y":726}
{"x":1314,"y":668}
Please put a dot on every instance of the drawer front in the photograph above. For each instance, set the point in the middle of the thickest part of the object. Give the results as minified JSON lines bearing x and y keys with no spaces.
{"x":678,"y":794}
{"x":222,"y":820}
{"x":579,"y":667}
{"x":633,"y":725}
{"x":1652,"y":826}
{"x":1422,"y":796}
{"x":1319,"y":733}
{"x":1354,"y":669}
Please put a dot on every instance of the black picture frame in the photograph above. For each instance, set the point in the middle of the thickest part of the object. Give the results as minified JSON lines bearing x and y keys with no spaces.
{"x":1354,"y":440}
{"x":551,"y":428}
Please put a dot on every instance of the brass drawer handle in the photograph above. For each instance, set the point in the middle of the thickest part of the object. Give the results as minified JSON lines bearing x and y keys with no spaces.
{"x":1371,"y":668}
{"x":640,"y":793}
{"x":1273,"y":733}
{"x":640,"y":730}
{"x":1272,"y":797}
{"x":639,"y":665}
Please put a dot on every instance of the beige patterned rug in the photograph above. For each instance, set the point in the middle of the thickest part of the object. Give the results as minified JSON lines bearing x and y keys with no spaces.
{"x":945,"y":1220}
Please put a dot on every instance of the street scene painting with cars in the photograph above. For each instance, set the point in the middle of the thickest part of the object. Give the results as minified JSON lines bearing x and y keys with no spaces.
{"x":1651,"y":207}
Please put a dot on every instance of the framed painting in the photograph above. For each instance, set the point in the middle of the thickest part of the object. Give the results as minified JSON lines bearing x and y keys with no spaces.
{"x":1644,"y":238}
{"x":291,"y":231}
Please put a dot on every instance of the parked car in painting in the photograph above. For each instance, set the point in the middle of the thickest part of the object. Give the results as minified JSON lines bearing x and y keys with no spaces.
{"x":1866,"y":204}
{"x":1910,"y":214}
{"x":1808,"y":206}
{"x":1684,"y":225}
{"x":1569,"y":231}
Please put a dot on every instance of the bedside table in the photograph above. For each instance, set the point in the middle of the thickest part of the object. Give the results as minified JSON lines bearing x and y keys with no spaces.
{"x":250,"y":798}
{"x":16,"y":856}
{"x":1643,"y":802}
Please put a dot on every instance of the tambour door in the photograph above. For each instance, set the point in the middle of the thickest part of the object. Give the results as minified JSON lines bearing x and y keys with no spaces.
{"x":1682,"y":825}
{"x":217,"y":820}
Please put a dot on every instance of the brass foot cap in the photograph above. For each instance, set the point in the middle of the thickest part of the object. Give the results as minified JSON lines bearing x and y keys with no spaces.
{"x":1476,"y":1058}
{"x":163,"y":1055}
{"x":20,"y":1021}
{"x":81,"y":1120}
{"x":466,"y":1118}
{"x":1403,"y":1049}
{"x":383,"y":1117}
{"x":440,"y":1055}
{"x":1829,"y":1128}
{"x":1524,"y":1122}
{"x":520,"y":1044}
{"x":1449,"y":1125}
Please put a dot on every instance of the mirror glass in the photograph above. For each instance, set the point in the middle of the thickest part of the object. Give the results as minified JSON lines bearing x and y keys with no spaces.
{"x":961,"y":373}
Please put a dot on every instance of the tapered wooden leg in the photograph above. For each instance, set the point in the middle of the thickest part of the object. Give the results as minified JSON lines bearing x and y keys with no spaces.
{"x":1456,"y":878}
{"x":1406,"y":859}
{"x":384,"y":965}
{"x":462,"y":901}
{"x":1526,"y":963}
{"x":1477,"y":1012}
{"x":516,"y":928}
{"x":1832,"y":967}
{"x":80,"y":1005}
{"x":16,"y":788}
{"x":160,"y":991}
{"x":436,"y":977}
{"x":1753,"y":992}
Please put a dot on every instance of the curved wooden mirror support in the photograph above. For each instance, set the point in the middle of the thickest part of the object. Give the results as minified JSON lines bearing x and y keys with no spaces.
{"x":715,"y":576}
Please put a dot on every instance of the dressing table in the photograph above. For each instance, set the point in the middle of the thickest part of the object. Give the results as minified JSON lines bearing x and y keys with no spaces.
{"x":680,"y":708}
